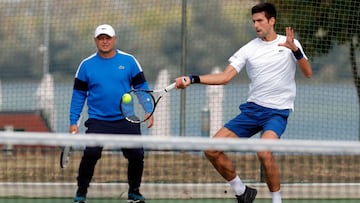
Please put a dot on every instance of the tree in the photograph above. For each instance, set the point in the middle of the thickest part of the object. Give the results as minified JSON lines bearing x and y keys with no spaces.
{"x":322,"y":24}
{"x":211,"y":37}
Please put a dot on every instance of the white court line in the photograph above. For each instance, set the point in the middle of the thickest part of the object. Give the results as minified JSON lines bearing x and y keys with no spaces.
{"x":180,"y":191}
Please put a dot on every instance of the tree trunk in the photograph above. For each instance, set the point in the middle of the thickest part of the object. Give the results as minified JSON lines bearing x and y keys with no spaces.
{"x":354,"y":71}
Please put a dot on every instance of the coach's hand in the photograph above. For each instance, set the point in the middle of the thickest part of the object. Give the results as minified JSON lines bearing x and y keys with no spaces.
{"x":74,"y":129}
{"x":150,"y":121}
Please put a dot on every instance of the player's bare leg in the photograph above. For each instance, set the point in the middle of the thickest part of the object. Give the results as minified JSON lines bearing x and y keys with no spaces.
{"x":226,"y":169}
{"x":271,"y":170}
{"x":221,"y":163}
{"x":219,"y":159}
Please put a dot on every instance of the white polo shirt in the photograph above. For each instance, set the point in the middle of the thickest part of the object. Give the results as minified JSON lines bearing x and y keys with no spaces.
{"x":271,"y":69}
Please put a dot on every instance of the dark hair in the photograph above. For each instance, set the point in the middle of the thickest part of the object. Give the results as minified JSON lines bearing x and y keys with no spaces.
{"x":268,"y":8}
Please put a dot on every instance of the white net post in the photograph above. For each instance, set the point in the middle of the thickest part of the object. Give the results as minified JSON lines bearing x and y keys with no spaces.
{"x":162,"y":113}
{"x":8,"y":147}
{"x":205,"y":122}
{"x":215,"y":94}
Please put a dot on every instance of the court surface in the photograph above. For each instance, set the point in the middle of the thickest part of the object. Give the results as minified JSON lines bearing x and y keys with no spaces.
{"x":61,"y":200}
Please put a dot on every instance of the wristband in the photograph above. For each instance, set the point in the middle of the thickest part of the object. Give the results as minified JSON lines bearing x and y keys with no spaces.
{"x":298,"y":54}
{"x":191,"y":78}
{"x":194,"y":79}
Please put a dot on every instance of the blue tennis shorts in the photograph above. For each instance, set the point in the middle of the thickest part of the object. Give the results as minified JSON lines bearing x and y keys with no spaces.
{"x":255,"y":118}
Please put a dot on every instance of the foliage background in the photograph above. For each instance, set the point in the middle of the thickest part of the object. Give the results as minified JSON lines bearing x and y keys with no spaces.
{"x":151,"y":30}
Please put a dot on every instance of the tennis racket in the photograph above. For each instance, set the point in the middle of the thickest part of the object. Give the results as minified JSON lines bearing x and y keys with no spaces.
{"x":142,"y":103}
{"x":66,"y":151}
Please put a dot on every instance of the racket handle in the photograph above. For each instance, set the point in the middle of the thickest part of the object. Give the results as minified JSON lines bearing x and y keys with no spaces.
{"x":170,"y":87}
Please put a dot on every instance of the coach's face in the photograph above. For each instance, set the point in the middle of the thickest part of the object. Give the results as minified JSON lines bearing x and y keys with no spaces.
{"x":105,"y":44}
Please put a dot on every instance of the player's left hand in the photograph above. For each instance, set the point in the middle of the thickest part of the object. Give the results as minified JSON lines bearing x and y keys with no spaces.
{"x":289,"y":43}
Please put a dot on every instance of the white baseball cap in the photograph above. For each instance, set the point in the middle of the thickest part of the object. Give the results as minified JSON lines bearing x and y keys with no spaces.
{"x":105,"y":29}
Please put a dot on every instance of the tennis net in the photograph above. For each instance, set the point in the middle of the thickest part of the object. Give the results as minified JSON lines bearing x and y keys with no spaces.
{"x":175,"y":168}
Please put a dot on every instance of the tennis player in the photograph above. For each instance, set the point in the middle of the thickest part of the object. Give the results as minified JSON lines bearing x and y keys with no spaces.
{"x":102,"y":79}
{"x":270,"y":61}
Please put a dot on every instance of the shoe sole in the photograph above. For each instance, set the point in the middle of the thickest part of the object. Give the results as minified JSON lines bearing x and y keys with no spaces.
{"x":136,"y":201}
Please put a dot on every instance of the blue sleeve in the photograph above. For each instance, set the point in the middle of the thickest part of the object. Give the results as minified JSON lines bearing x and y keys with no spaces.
{"x":77,"y":103}
{"x":139,"y":82}
{"x":78,"y":97}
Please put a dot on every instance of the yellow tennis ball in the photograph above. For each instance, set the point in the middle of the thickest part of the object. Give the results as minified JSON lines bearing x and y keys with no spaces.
{"x":126,"y":98}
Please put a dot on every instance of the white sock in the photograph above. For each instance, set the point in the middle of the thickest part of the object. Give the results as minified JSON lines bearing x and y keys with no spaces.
{"x":276,"y":197}
{"x":237,"y":185}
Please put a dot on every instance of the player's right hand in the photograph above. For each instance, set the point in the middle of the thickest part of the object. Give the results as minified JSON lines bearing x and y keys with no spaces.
{"x":182,"y":82}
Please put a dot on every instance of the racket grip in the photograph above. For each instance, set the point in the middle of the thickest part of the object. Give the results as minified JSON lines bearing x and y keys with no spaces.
{"x":170,"y":87}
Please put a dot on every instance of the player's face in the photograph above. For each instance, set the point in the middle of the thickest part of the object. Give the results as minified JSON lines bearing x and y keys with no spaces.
{"x":105,"y":43}
{"x":264,"y":28}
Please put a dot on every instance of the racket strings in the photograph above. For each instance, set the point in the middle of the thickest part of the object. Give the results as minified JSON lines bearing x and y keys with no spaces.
{"x":138,"y":109}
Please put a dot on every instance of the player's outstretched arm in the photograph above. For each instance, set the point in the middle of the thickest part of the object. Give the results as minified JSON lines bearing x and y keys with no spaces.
{"x":221,"y":78}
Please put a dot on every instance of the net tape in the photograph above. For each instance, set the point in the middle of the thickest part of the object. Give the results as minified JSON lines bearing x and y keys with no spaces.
{"x":181,"y":143}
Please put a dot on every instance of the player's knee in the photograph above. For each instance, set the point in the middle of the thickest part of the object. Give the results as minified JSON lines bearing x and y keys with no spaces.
{"x":212,"y":154}
{"x":265,"y":156}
